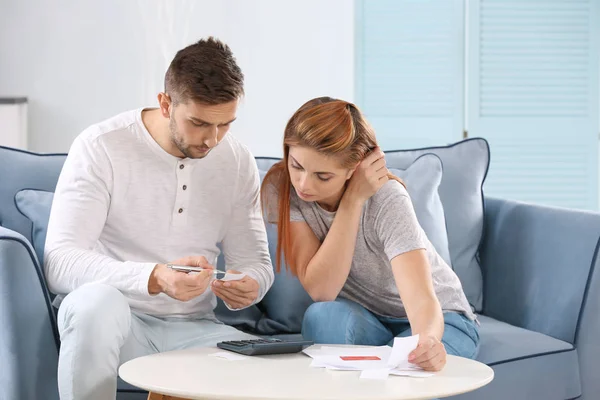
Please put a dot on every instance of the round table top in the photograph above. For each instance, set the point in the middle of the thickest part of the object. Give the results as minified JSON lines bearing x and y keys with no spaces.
{"x":194,"y":374}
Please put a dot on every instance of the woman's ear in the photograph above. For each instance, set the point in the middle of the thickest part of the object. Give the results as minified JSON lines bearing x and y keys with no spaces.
{"x":351,"y":172}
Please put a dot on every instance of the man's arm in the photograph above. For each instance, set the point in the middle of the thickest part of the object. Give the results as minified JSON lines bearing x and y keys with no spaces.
{"x":79,"y":212}
{"x":245,"y":243}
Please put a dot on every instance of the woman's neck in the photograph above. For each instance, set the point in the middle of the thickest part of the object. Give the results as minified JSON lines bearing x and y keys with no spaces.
{"x":332,"y":203}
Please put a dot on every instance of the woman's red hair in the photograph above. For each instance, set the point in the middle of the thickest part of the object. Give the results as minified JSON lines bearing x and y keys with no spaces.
{"x":329,"y":126}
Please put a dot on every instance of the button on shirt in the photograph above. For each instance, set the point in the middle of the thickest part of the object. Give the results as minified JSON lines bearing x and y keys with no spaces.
{"x":123,"y":204}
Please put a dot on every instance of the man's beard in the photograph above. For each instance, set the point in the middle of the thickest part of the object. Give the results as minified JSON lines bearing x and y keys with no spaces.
{"x":183,"y":147}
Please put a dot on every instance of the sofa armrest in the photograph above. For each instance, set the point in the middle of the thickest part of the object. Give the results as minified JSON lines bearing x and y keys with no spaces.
{"x":538,"y":265}
{"x":588,"y":332}
{"x":28,"y":338}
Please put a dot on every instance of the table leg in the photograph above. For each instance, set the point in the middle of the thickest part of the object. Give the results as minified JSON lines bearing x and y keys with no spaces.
{"x":156,"y":396}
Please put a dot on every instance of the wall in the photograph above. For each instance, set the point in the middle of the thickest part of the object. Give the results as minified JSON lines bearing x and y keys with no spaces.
{"x":81,"y":62}
{"x":13,"y":122}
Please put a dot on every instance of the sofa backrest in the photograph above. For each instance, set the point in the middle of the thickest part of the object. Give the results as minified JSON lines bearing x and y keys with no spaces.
{"x":24,"y":170}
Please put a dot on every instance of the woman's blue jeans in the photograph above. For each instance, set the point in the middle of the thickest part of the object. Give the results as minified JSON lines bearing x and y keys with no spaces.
{"x":346,"y":322}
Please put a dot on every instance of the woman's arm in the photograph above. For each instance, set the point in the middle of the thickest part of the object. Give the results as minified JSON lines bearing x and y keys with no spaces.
{"x":412,"y":274}
{"x":324,"y":267}
{"x":405,"y":244}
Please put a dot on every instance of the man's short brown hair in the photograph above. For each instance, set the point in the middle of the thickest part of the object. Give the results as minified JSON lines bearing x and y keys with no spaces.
{"x":206,"y":72}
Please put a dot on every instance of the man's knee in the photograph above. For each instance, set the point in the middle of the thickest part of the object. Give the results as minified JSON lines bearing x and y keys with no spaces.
{"x":96,"y":309}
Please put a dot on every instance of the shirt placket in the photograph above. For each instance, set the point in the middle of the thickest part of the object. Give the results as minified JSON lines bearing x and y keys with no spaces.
{"x":181,"y":205}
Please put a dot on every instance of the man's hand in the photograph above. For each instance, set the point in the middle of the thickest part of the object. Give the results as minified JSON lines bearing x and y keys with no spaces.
{"x":430,"y":354}
{"x":181,"y":285}
{"x":236,"y":294}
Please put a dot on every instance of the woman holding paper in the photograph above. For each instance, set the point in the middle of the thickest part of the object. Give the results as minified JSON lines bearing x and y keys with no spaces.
{"x":347,"y":229}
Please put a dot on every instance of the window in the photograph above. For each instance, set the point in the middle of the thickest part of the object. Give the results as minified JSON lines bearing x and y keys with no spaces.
{"x":529,"y":85}
{"x":410,"y":70}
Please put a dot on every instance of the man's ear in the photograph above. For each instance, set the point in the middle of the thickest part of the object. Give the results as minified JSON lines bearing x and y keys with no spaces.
{"x":164,"y":101}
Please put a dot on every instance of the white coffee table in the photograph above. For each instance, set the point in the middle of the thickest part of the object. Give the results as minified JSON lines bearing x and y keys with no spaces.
{"x":194,"y":374}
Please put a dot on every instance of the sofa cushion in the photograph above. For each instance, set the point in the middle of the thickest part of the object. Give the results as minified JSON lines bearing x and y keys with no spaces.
{"x":537,"y":366}
{"x":24,"y":170}
{"x":36,"y":205}
{"x":502,"y":342}
{"x":465,"y":168}
{"x":423,"y":178}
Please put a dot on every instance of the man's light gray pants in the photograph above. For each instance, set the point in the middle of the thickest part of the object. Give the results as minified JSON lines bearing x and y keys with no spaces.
{"x":98,"y":333}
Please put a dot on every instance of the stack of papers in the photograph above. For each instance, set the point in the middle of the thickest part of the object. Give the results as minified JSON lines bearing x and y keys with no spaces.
{"x":374,"y":362}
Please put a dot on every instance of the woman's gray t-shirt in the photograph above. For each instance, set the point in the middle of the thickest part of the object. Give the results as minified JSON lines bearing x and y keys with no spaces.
{"x":388,"y":228}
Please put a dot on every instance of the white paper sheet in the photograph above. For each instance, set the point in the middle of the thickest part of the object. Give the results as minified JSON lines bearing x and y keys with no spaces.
{"x":381,"y":351}
{"x":337,"y":362}
{"x":400,"y":351}
{"x":392,"y":360}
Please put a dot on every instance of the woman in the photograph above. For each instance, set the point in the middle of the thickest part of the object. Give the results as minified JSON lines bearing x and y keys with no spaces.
{"x":347,"y":229}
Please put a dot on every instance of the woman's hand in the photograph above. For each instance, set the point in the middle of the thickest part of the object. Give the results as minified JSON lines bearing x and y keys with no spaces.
{"x":370,"y":175}
{"x":430,"y":354}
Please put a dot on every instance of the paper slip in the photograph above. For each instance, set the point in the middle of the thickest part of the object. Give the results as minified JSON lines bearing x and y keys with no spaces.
{"x":230,"y":276}
{"x":333,"y":357}
{"x":229,"y":356}
{"x":400,"y":351}
{"x":374,"y":362}
{"x":382,"y":352}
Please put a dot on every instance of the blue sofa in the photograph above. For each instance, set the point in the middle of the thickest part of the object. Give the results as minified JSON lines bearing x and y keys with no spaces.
{"x":540,"y":315}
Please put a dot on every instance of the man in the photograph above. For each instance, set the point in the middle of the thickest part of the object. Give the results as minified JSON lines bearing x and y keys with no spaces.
{"x":141,"y":190}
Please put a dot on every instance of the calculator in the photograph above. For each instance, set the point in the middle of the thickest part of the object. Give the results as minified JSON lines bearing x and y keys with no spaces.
{"x":265,"y":346}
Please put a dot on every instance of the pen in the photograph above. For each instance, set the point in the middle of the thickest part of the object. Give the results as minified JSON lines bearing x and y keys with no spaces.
{"x":186,"y":268}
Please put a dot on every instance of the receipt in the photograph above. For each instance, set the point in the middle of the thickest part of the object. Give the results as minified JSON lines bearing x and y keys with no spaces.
{"x":231,"y":276}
